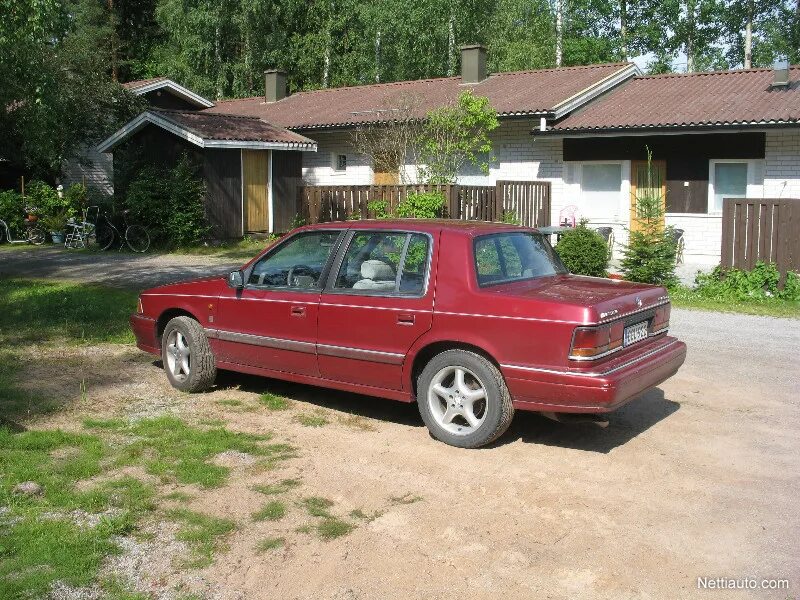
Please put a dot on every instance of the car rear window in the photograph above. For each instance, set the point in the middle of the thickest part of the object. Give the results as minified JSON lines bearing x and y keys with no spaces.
{"x":514,"y":256}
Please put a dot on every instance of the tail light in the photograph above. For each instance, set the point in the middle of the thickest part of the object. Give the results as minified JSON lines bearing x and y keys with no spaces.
{"x":590,"y":343}
{"x":660,"y":322}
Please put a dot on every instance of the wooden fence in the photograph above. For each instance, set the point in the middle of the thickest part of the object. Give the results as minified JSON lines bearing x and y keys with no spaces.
{"x":757,"y":229}
{"x":529,"y":201}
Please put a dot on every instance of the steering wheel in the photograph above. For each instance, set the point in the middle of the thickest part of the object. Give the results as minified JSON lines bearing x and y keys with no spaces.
{"x":299,"y":270}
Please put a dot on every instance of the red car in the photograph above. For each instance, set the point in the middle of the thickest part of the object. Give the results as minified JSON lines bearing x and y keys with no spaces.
{"x":471,"y":320}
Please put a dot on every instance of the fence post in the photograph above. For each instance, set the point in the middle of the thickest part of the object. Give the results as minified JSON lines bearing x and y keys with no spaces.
{"x":499,"y":200}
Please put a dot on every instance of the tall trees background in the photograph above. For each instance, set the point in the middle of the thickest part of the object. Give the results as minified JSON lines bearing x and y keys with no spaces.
{"x":58,"y":56}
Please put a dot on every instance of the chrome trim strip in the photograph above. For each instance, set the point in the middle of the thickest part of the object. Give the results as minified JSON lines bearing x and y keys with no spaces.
{"x":418,"y":310}
{"x":259,"y":340}
{"x":660,"y":331}
{"x":456,"y":314}
{"x":633,"y":312}
{"x":390,"y":358}
{"x":596,"y":356}
{"x":592,"y":373}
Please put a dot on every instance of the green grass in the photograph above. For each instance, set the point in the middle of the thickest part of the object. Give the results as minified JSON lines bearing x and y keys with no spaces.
{"x":312,"y":420}
{"x":271,"y":511}
{"x":317,"y":506}
{"x":362,"y":516}
{"x":331,"y":528}
{"x":277,"y":488}
{"x":175,"y":451}
{"x":17,"y":402}
{"x":36,"y":310}
{"x":36,"y":550}
{"x":242,"y":250}
{"x":270,"y":543}
{"x":408,"y":498}
{"x":684,"y":297}
{"x":204,"y":534}
{"x":273,"y":402}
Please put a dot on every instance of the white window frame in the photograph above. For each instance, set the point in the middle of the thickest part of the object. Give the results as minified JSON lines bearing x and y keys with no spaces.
{"x":335,"y":163}
{"x":751,"y":190}
{"x":623,"y":202}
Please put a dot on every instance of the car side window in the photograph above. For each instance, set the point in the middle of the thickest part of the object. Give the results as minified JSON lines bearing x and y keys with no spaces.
{"x":298,"y":263}
{"x":505,"y":257}
{"x":384,"y":262}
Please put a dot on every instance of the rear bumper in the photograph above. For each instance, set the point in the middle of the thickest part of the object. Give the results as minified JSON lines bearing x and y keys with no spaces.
{"x":602,"y":389}
{"x":144,"y":328}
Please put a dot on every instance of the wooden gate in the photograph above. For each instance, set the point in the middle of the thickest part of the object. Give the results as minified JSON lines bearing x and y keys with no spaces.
{"x":761,"y":230}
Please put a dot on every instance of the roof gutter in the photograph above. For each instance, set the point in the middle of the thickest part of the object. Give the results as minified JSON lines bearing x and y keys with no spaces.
{"x":667,"y":129}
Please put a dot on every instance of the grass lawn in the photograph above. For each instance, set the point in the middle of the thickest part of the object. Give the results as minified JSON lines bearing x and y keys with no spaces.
{"x":242,"y":250}
{"x":684,"y":297}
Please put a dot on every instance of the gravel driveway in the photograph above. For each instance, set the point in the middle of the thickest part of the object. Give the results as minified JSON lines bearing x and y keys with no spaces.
{"x":136,"y":271}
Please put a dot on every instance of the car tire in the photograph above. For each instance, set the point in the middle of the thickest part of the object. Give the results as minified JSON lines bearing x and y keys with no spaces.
{"x":449,"y":399}
{"x":187,"y":357}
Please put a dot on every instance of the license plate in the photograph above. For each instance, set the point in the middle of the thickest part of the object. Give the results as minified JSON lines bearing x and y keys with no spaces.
{"x":634,"y":333}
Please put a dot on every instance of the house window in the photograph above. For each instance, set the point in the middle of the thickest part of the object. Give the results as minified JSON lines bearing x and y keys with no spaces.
{"x":728,"y":180}
{"x":339,"y":162}
{"x":601,"y":190}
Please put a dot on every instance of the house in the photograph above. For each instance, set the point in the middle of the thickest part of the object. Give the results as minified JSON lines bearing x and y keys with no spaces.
{"x":94,"y":168}
{"x":586,"y":130}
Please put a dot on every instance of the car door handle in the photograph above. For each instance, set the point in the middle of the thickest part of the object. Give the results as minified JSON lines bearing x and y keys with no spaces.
{"x":405,"y":319}
{"x":298,"y":311}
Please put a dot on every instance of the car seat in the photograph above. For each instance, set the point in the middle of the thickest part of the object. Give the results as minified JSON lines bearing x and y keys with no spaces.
{"x":375,"y":275}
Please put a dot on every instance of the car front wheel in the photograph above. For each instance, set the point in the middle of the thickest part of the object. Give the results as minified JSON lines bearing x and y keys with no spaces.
{"x":187,"y":357}
{"x":463,"y":399}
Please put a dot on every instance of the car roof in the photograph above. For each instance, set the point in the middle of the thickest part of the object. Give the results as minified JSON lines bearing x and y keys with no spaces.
{"x":423,"y":225}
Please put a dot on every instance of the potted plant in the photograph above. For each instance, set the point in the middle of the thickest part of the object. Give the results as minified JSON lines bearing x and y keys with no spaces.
{"x":56,"y":223}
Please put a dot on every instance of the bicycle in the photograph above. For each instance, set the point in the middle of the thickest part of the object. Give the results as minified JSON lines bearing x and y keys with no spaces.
{"x":135,"y":236}
{"x":34,"y":233}
{"x":82,"y":233}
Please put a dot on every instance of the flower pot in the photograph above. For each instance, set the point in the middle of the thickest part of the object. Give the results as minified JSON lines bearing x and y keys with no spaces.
{"x":57,"y":237}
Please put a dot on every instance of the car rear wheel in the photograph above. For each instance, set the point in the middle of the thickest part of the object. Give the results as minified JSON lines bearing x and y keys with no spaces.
{"x":187,"y":357}
{"x":463,"y":399}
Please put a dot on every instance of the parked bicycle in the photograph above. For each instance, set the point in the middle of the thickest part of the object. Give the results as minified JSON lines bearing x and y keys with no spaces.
{"x":34,"y":233}
{"x":106,"y":232}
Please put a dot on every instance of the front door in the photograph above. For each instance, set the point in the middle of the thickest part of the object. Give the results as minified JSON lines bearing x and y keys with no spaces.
{"x":255,"y":186}
{"x":272,"y":322}
{"x":648,"y":185}
{"x":378,"y":303}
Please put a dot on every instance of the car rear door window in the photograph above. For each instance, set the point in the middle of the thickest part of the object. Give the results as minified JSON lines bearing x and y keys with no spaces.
{"x":514,"y":256}
{"x":385,"y":263}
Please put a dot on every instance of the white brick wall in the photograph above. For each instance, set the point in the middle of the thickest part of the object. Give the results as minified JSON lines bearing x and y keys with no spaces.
{"x":318,"y":166}
{"x":782,"y":164}
{"x":702,"y":236}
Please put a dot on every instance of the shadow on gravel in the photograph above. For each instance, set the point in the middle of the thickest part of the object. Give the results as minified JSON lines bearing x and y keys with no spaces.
{"x":380,"y":409}
{"x":624,"y":425}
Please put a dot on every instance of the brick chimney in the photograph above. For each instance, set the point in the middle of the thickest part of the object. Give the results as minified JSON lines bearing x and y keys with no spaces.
{"x":473,"y":63}
{"x":274,"y":85}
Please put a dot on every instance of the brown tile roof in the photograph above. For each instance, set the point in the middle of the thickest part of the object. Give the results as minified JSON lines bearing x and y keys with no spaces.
{"x":518,"y":93}
{"x":236,"y":128}
{"x":718,"y":99}
{"x":132,"y":85}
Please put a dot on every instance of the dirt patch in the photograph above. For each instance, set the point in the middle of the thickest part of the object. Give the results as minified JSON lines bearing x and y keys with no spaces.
{"x":697,"y":478}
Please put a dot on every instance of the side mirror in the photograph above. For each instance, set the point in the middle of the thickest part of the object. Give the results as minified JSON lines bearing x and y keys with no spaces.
{"x":236,"y":280}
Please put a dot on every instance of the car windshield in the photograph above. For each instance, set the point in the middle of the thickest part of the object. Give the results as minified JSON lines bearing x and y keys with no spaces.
{"x":514,"y":256}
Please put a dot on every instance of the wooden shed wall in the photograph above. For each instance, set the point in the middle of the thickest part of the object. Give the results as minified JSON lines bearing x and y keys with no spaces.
{"x":222,"y":170}
{"x":287,"y":175}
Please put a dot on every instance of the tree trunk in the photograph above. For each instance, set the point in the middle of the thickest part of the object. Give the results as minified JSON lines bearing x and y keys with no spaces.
{"x":690,"y":31}
{"x":218,"y":56}
{"x":326,"y":59}
{"x":378,"y":57}
{"x":112,"y":20}
{"x":451,"y":43}
{"x":623,"y":27}
{"x":748,"y":36}
{"x":559,"y":31}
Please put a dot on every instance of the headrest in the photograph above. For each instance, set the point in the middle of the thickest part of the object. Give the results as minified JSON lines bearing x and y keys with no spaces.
{"x":377,"y":270}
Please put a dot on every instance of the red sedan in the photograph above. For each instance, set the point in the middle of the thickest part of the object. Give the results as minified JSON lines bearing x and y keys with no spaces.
{"x":471,"y":320}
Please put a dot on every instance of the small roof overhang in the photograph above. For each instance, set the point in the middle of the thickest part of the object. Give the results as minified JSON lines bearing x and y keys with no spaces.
{"x":261,"y":135}
{"x":143,"y":87}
